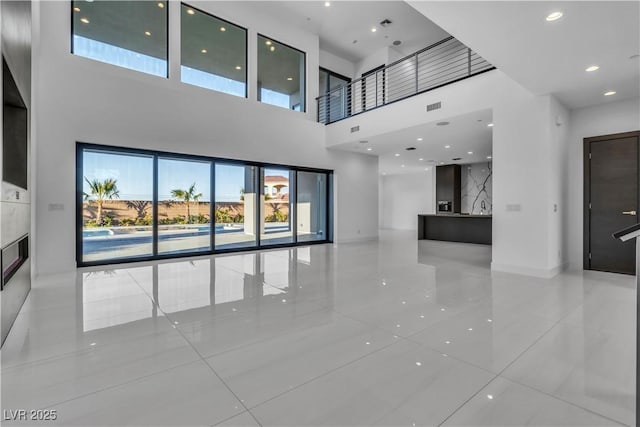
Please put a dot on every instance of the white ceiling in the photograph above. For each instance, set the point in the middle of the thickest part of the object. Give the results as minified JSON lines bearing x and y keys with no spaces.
{"x":345,"y":21}
{"x":551,"y":57}
{"x":464,"y":133}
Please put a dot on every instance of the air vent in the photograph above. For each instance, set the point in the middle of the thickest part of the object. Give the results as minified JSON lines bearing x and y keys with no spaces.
{"x":435,"y":106}
{"x":363,"y":142}
{"x":385,"y":22}
{"x":410,"y":148}
{"x":355,"y":129}
{"x":456,"y":159}
{"x":442,"y":124}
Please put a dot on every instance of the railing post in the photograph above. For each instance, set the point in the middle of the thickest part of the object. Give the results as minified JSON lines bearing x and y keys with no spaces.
{"x":469,"y":59}
{"x":344,"y":101}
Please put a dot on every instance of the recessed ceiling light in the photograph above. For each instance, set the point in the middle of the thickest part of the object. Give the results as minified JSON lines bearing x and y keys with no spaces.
{"x":397,"y":155}
{"x":204,"y":51}
{"x":161,"y":5}
{"x":268,"y":42}
{"x":418,"y":139}
{"x":369,"y":149}
{"x":402,"y":166}
{"x":272,"y":48}
{"x":426,"y":169}
{"x":327,"y":4}
{"x":384,"y":173}
{"x":490,"y":125}
{"x":374,"y":29}
{"x":147,"y":33}
{"x":442,"y":163}
{"x":469,"y":152}
{"x":609,"y":93}
{"x":490,"y":396}
{"x":84,"y":20}
{"x":420,"y":159}
{"x":77,"y":9}
{"x":289,"y":78}
{"x":223,"y":29}
{"x":489,"y":157}
{"x":447,"y":146}
{"x":238,"y":67}
{"x":554,"y":16}
{"x":191,"y":12}
{"x":592,"y":68}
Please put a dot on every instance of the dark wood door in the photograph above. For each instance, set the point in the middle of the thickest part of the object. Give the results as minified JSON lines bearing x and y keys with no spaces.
{"x":611,"y":197}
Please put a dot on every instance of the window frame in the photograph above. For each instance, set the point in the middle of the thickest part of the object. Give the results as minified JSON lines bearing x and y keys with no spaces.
{"x":246,"y":48}
{"x":303,"y":101}
{"x":156,"y":154}
{"x":168,"y":68}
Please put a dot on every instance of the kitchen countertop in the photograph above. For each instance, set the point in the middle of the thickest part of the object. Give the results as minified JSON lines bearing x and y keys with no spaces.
{"x":456,"y":215}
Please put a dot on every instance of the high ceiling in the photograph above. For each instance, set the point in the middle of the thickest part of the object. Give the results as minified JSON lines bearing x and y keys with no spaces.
{"x":463,"y":134}
{"x":345,"y":21}
{"x":551,"y":57}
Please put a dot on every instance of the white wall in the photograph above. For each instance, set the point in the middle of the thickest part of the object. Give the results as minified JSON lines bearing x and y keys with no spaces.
{"x":522,"y":149}
{"x":405,"y":196}
{"x":88,"y":101}
{"x":336,"y":64}
{"x":604,"y":119}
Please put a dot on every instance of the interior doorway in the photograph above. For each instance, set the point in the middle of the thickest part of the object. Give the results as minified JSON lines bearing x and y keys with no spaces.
{"x":611,"y":200}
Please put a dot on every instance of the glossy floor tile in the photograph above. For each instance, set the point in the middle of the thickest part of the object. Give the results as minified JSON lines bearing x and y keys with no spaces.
{"x":393,"y":332}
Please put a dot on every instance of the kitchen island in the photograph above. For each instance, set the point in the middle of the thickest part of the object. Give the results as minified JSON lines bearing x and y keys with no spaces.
{"x":455,"y":228}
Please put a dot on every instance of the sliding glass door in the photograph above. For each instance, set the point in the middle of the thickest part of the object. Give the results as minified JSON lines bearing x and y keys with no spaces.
{"x":235,"y":206}
{"x":142,"y":205}
{"x":277,"y":216}
{"x":116,"y":193}
{"x":184,"y":206}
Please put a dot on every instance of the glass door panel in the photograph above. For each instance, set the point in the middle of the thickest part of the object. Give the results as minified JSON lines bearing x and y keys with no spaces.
{"x":311,"y":206}
{"x":276,"y":214}
{"x":184,"y":206}
{"x":235,"y":208}
{"x":117,"y":205}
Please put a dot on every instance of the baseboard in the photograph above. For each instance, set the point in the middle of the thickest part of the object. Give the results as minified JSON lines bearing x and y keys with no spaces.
{"x":358,"y":239}
{"x":528,"y":271}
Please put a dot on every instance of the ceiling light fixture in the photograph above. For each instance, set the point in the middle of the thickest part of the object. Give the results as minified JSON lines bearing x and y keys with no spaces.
{"x":223,"y":29}
{"x":77,"y":9}
{"x":204,"y":51}
{"x":327,"y":4}
{"x":609,"y":93}
{"x":374,"y":29}
{"x":147,"y":33}
{"x":369,"y":149}
{"x":161,"y":5}
{"x":402,"y":166}
{"x":418,"y":139}
{"x":397,"y":155}
{"x":447,"y":146}
{"x":490,"y":125}
{"x":554,"y":16}
{"x":268,"y":42}
{"x":191,"y":12}
{"x":84,"y":20}
{"x":489,"y":157}
{"x":238,"y":67}
{"x":592,"y":68}
{"x":469,"y":152}
{"x":420,"y":159}
{"x":272,"y":48}
{"x":289,"y":78}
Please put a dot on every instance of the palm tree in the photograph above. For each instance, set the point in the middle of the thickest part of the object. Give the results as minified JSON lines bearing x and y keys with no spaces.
{"x":140,"y":206}
{"x":187,"y":196}
{"x":102,"y":191}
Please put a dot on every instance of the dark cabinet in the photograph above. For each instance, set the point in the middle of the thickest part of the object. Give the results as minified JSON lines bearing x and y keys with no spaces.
{"x":448,"y":183}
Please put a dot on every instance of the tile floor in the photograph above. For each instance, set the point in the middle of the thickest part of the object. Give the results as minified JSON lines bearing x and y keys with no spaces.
{"x":388,"y":333}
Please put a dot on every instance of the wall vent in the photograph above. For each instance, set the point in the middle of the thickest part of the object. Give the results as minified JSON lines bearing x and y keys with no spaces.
{"x":434,"y":106}
{"x":355,"y":129}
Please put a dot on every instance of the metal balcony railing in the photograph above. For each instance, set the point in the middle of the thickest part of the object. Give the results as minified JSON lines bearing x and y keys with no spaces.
{"x":440,"y":64}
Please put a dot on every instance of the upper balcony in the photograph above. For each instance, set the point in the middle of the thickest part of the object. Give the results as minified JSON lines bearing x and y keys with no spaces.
{"x":440,"y":64}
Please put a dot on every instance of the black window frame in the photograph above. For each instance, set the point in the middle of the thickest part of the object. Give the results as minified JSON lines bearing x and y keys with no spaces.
{"x":156,"y":154}
{"x":167,"y":74}
{"x":246,"y":48}
{"x":326,"y":90}
{"x":304,"y":72}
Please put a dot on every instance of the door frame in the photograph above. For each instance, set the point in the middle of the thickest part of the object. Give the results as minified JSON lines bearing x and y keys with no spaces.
{"x":586,"y":236}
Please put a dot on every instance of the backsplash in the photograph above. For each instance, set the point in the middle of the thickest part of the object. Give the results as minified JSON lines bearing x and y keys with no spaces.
{"x":476,"y":188}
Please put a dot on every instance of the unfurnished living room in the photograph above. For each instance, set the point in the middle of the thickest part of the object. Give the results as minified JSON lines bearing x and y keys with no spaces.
{"x":319,"y":213}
